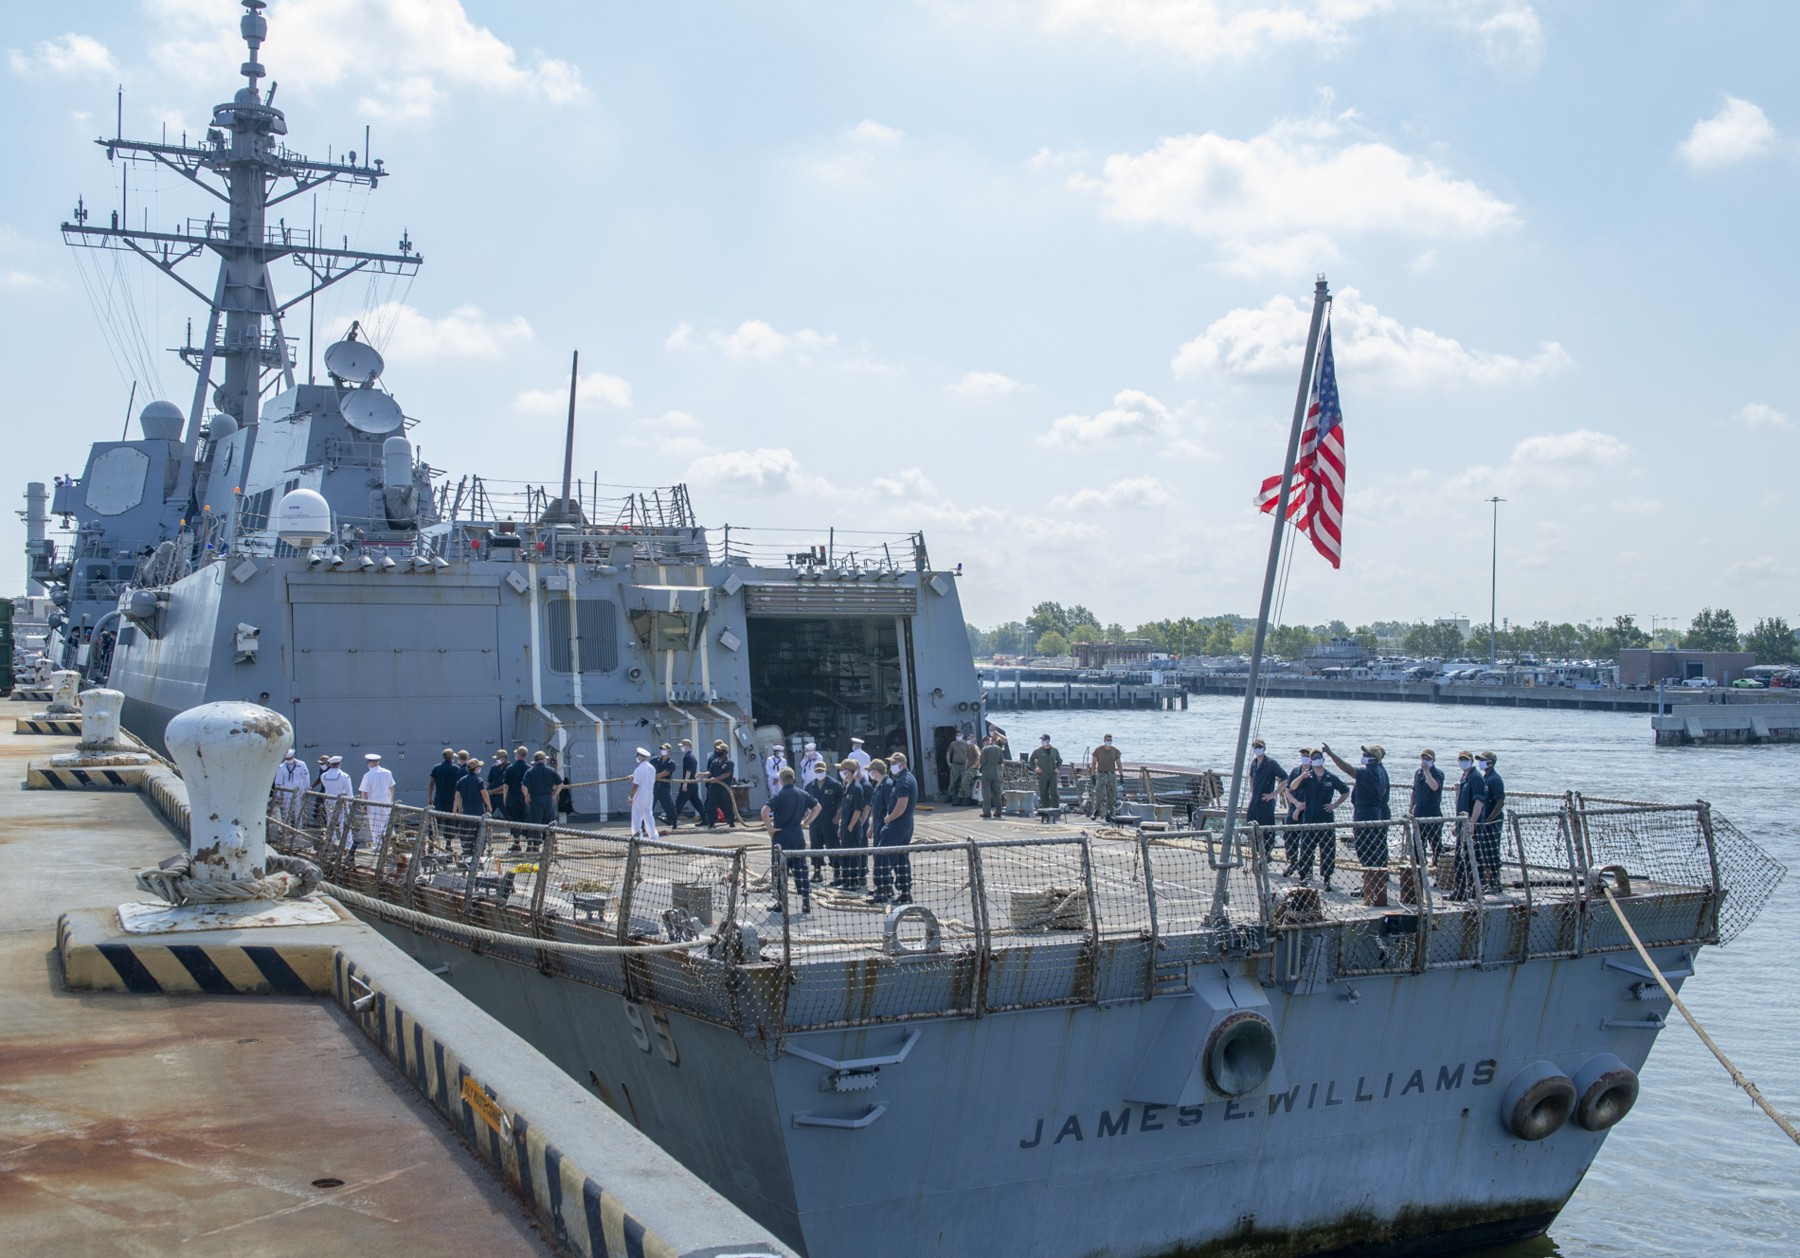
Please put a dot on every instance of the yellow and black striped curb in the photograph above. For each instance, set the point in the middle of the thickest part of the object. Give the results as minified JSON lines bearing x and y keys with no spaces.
{"x":580,"y":1212}
{"x":51,"y":777}
{"x":55,"y":725}
{"x":31,"y":696}
{"x":97,"y":956}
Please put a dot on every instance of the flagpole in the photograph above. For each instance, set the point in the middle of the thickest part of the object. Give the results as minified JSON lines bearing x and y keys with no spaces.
{"x":1321,"y":298}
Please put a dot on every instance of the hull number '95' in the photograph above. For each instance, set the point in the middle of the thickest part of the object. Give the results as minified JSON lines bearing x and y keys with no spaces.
{"x":641,"y":1031}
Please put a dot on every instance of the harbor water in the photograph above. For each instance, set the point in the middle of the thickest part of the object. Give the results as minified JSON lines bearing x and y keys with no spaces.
{"x":1695,"y":1169}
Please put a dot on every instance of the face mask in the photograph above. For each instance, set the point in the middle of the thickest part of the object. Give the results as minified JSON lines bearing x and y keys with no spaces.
{"x":1256,"y":753}
{"x":1425,"y":762}
{"x":1463,"y":764}
{"x":1368,"y":760}
{"x":1486,"y":766}
{"x":1318,"y":762}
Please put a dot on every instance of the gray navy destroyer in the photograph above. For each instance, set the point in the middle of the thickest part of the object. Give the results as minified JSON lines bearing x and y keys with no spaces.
{"x":1073,"y":1042}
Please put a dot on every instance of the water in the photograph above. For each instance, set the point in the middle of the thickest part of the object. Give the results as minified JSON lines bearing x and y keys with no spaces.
{"x":1696,"y":1168}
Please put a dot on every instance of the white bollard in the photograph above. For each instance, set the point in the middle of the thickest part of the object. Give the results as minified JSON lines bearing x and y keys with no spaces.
{"x":227,"y":753}
{"x":65,"y":685}
{"x":100,"y":721}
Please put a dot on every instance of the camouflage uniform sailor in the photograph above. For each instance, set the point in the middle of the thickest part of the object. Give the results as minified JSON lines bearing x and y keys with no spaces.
{"x":1106,"y":779}
{"x":1044,"y":762}
{"x":993,"y":793}
{"x":955,"y":781}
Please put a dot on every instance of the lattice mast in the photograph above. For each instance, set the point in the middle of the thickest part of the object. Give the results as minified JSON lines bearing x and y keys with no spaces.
{"x":242,"y":162}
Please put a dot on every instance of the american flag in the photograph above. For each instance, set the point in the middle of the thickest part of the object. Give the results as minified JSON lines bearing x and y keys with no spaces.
{"x":1316,"y":496}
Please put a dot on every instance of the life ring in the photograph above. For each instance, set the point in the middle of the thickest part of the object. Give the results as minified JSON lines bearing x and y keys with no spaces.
{"x":1240,"y":1053}
{"x":898,"y":947}
{"x":1538,"y":1101}
{"x":1606,"y":1089}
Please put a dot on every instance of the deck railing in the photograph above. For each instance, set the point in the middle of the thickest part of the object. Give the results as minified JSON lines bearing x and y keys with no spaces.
{"x":999,"y":924}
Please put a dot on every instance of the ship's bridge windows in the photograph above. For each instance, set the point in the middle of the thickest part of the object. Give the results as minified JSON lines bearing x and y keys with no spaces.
{"x":597,"y":625}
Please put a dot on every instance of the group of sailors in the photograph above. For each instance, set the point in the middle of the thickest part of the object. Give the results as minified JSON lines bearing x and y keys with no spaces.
{"x":668,"y":782}
{"x":1307,"y":798}
{"x":866,"y":808}
{"x":519,"y":786}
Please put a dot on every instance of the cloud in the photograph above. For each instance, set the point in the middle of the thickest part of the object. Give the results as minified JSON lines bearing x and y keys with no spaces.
{"x":1213,"y":30}
{"x":1513,"y":36}
{"x":1739,"y":132}
{"x":1758,"y":415}
{"x":1134,"y":415}
{"x":19,"y":279}
{"x":594,"y":387}
{"x":407,"y":55}
{"x":1280,"y":200}
{"x":68,"y":55}
{"x":1549,"y":461}
{"x":984,"y":384}
{"x":909,"y":485}
{"x":402,"y":333}
{"x":754,"y":341}
{"x":1761,"y":568}
{"x":869,"y":129}
{"x":1134,"y":493}
{"x":1637,"y":506}
{"x":1270,"y":340}
{"x":761,"y":471}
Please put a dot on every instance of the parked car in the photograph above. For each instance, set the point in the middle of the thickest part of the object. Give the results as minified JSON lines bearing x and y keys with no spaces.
{"x":1700,"y":683}
{"x":1748,"y":683}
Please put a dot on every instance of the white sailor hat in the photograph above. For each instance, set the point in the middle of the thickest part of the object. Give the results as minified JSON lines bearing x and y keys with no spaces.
{"x":644,"y":752}
{"x":857,"y":741}
{"x":372,"y":755}
{"x":335,"y":760}
{"x":290,"y":754}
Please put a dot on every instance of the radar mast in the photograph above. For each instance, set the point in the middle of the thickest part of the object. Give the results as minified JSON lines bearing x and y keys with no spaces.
{"x":243,"y":163}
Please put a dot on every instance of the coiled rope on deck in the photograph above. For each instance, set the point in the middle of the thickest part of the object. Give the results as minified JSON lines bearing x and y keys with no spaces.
{"x":1737,"y":1076}
{"x":289,"y":878}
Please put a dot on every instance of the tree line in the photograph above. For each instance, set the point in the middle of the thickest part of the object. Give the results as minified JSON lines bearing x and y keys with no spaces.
{"x":1053,"y":629}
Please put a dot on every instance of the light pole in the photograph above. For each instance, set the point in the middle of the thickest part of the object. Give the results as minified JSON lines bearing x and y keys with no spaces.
{"x":1494,"y":582}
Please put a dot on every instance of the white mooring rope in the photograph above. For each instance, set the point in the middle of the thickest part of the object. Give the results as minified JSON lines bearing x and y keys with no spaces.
{"x":1737,"y":1076}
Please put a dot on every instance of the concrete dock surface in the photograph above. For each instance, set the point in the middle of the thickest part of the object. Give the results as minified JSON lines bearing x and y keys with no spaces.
{"x":197,"y":1125}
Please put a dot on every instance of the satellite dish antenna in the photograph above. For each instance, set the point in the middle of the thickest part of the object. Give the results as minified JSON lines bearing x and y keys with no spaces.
{"x":354,"y":362}
{"x":371,"y":411}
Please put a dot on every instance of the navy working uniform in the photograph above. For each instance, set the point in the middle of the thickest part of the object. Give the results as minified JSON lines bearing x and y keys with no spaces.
{"x":515,"y":794}
{"x":1471,"y":799}
{"x":719,"y":772}
{"x":1369,"y":802}
{"x":496,"y":783}
{"x":1315,"y":794}
{"x":853,"y":832}
{"x":541,"y":780}
{"x":1428,"y":801}
{"x":829,"y":794}
{"x":471,"y":802}
{"x":893,"y":872}
{"x":690,"y":788}
{"x":788,"y":810}
{"x":443,"y":784}
{"x":1487,"y":838}
{"x":1266,"y":777}
{"x":664,"y":764}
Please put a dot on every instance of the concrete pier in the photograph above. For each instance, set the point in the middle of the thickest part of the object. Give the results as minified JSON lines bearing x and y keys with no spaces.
{"x":171,"y":1115}
{"x":1704,"y":724}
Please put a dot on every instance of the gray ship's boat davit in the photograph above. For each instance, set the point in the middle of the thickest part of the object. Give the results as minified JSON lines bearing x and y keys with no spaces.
{"x":1069,"y":1045}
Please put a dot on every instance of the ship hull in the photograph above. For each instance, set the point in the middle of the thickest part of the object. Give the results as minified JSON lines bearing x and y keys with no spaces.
{"x":1381,"y":1130}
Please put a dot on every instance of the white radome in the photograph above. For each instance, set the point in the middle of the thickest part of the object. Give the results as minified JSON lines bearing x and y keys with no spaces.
{"x":303,"y":520}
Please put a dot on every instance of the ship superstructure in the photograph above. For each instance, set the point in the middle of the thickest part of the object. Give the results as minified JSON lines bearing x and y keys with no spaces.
{"x":399,"y":611}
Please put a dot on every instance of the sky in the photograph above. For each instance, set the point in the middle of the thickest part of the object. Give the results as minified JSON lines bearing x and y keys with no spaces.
{"x":1030,"y":277}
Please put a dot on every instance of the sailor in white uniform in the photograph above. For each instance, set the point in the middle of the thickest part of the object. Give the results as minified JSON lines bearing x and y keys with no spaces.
{"x":643,"y":791}
{"x":809,"y":759}
{"x":772,"y":768}
{"x":861,"y":757}
{"x":335,"y":784}
{"x":291,"y":781}
{"x":377,"y":787}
